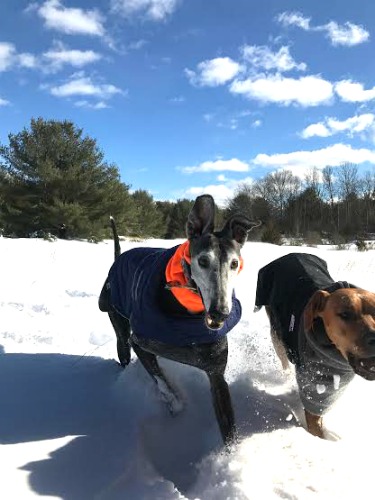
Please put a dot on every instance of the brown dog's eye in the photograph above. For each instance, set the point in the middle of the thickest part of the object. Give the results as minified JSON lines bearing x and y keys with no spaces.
{"x":346,"y":316}
{"x":234,"y":264}
{"x":203,"y":262}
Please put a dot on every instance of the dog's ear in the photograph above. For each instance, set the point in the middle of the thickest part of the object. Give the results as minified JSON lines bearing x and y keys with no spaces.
{"x":315,"y":306}
{"x":201,"y":218}
{"x":238,"y":226}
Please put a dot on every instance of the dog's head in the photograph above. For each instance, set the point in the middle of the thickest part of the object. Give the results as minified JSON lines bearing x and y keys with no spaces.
{"x":215,"y":257}
{"x":348,"y":315}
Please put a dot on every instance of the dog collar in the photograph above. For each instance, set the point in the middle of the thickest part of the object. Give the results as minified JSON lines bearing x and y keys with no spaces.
{"x":179,"y":283}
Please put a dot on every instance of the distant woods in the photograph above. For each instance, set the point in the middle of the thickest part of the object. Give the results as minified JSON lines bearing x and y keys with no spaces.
{"x":54,"y":181}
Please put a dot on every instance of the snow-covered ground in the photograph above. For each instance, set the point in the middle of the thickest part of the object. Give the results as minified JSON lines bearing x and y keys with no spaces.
{"x":73,"y":425}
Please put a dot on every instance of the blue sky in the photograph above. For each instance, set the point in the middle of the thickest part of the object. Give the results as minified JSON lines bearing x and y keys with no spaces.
{"x":193,"y":96}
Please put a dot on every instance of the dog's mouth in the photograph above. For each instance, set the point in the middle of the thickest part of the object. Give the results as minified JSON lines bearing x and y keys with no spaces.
{"x":364,"y":367}
{"x":212,"y":323}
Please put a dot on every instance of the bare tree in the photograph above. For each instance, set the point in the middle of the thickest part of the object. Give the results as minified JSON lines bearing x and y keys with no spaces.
{"x":367,"y":193}
{"x":282,"y":186}
{"x":330,"y":192}
{"x":348,"y":188}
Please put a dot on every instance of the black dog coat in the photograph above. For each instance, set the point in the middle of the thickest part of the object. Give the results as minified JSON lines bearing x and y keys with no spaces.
{"x":286,"y":285}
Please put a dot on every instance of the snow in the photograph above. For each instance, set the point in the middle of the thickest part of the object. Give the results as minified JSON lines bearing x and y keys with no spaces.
{"x":76,"y":426}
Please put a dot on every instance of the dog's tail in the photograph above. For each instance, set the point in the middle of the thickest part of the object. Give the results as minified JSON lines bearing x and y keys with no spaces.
{"x":116,"y":239}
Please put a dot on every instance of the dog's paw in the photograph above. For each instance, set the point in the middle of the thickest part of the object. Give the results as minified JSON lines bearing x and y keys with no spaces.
{"x":330,"y":435}
{"x":170,"y":397}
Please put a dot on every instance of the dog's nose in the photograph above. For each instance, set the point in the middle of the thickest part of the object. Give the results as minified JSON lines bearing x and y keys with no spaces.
{"x":369,"y":339}
{"x":219,"y":314}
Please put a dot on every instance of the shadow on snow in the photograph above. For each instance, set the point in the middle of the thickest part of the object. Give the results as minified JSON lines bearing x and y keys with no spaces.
{"x":121,"y":428}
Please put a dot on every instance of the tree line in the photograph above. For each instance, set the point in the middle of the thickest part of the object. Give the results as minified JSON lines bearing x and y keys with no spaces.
{"x":54,"y":180}
{"x":335,"y":204}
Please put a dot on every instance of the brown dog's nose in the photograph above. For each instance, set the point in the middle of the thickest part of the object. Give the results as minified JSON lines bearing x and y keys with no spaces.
{"x":369,"y":339}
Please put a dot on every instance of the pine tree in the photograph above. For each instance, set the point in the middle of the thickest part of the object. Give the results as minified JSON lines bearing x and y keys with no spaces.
{"x":148,"y":221}
{"x":178,"y":217}
{"x":51,"y":175}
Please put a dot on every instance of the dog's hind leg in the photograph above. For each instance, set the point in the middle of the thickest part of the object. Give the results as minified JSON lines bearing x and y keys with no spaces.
{"x":277,"y":342}
{"x":280,"y":349}
{"x":167,"y":392}
{"x":120,"y":325}
{"x":122,"y":329}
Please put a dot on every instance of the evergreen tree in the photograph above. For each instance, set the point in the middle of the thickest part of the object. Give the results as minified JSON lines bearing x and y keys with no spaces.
{"x":178,"y":218}
{"x":51,"y":175}
{"x":148,"y":221}
{"x":165,"y":208}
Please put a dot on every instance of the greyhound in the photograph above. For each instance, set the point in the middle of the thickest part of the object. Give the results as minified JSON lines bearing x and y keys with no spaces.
{"x":179,"y":303}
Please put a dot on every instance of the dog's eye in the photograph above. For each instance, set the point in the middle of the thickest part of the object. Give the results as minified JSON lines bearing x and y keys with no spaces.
{"x":203,"y":262}
{"x":346,"y":316}
{"x":234,"y":264}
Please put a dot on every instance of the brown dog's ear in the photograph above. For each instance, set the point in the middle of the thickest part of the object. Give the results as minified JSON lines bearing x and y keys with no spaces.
{"x":315,"y":305}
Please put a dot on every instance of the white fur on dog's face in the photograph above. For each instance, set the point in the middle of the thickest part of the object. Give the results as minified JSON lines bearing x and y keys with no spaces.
{"x":214,"y":267}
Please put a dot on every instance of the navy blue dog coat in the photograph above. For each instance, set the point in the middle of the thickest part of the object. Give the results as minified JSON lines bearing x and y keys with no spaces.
{"x":137,"y":280}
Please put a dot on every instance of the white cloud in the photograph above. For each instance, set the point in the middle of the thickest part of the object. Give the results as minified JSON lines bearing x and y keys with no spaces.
{"x":60,"y":56}
{"x":221,"y":178}
{"x":354,"y":92}
{"x":26,"y":60}
{"x":90,"y":105}
{"x":7,"y":55}
{"x":256,"y":123}
{"x":178,"y":99}
{"x":294,"y":19}
{"x":9,"y":58}
{"x":155,"y":10}
{"x":353,"y":125}
{"x":233,"y":165}
{"x":50,"y":61}
{"x":332,"y":155}
{"x":71,"y":21}
{"x":137,"y":44}
{"x":81,"y":85}
{"x":221,"y":192}
{"x":315,"y":130}
{"x":261,"y":56}
{"x":347,"y":34}
{"x":214,"y":72}
{"x":4,"y":102}
{"x":305,"y":91}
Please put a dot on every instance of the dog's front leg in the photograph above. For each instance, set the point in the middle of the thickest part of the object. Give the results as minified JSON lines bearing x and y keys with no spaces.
{"x":223,"y":407}
{"x":314,"y":424}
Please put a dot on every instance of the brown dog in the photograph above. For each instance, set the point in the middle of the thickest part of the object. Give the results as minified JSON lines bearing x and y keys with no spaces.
{"x":325,"y":328}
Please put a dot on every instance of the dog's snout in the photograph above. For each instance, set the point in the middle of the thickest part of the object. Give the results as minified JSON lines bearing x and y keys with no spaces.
{"x":369,"y":339}
{"x":219,"y":314}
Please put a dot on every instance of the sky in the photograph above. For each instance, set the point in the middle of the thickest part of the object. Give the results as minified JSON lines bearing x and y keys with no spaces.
{"x":192,"y":96}
{"x":75,"y":426}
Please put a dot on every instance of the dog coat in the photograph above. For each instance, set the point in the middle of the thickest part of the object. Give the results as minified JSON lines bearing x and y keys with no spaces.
{"x":286,"y":285}
{"x":137,"y":282}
